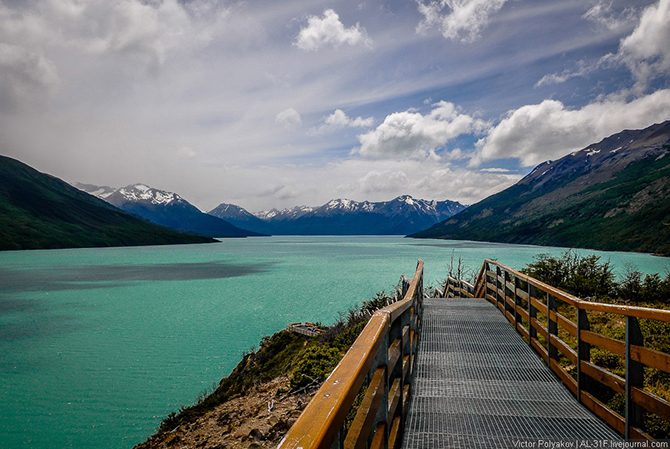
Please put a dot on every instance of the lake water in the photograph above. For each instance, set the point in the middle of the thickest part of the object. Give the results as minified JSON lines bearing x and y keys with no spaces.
{"x":98,"y":345}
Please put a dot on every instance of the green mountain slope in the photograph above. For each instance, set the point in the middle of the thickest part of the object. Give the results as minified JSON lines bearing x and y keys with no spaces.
{"x":40,"y":211}
{"x":613,"y":195}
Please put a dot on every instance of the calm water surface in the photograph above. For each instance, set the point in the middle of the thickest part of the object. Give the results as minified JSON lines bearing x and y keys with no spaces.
{"x":98,"y":345}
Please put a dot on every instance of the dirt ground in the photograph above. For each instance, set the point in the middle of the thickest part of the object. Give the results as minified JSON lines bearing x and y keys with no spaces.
{"x":259,"y":419}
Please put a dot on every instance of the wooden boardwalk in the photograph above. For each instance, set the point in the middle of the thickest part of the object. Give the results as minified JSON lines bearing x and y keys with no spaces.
{"x":479,"y":385}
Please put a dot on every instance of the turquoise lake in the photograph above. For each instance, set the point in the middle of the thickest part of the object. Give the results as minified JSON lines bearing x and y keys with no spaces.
{"x":98,"y":345}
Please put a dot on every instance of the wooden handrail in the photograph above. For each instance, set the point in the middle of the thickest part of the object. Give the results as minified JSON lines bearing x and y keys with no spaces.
{"x":380,"y":418}
{"x":634,"y":311}
{"x":502,"y":286}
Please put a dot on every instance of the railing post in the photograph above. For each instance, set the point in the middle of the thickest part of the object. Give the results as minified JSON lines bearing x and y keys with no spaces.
{"x":507,"y":307}
{"x":498,"y":286}
{"x":396,"y":372}
{"x":583,"y":352}
{"x":517,"y":303}
{"x":552,"y":327}
{"x":634,"y":375}
{"x":532,"y":314}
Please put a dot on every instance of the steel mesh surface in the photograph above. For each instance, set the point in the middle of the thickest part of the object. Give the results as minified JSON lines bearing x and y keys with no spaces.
{"x":479,"y":385}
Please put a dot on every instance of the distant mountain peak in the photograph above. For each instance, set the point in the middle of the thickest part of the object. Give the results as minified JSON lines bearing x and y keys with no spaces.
{"x":142,"y":192}
{"x":166,"y":209}
{"x":344,"y":216}
{"x":292,"y":212}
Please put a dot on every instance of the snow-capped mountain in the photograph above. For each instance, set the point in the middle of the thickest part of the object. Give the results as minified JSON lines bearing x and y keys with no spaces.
{"x":166,"y":209}
{"x":144,"y":194}
{"x":284,"y":214}
{"x":402,"y":215}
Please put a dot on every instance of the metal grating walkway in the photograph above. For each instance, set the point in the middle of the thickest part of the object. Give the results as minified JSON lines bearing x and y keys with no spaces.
{"x":479,"y":385}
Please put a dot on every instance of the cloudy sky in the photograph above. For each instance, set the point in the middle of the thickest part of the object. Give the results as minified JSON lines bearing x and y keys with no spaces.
{"x":267,"y":103}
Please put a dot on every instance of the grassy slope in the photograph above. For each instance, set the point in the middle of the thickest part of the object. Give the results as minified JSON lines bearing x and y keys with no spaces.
{"x":579,"y":220}
{"x":39,"y":211}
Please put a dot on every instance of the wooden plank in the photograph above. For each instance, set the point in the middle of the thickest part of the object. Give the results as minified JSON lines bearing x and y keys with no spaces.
{"x":565,"y":349}
{"x":378,"y":439}
{"x":491,"y":298}
{"x":522,"y":294}
{"x":634,"y":311}
{"x":362,"y":425}
{"x":539,"y":305}
{"x":394,"y":433}
{"x":393,"y":356}
{"x":523,"y":312}
{"x":394,"y":397}
{"x":562,"y":374}
{"x":510,"y":302}
{"x":406,"y":363}
{"x":509,"y":316}
{"x":651,"y":402}
{"x":564,"y":323}
{"x":613,"y":419}
{"x":539,"y":349}
{"x":615,"y":346}
{"x":522,"y":330}
{"x":611,"y":380}
{"x":639,"y":434}
{"x":510,"y":286}
{"x":538,"y":327}
{"x":651,"y":358}
{"x":399,"y":307}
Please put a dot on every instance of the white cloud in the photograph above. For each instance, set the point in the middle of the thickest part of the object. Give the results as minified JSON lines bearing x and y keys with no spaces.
{"x":289,"y":118}
{"x":392,"y":181}
{"x":496,"y":170}
{"x":411,"y":134}
{"x":603,"y":14}
{"x":646,"y":51}
{"x":458,"y":19}
{"x":24,"y":75}
{"x":339,"y":119}
{"x":549,"y":130}
{"x":330,"y":31}
{"x":583,"y":69}
{"x":145,"y":32}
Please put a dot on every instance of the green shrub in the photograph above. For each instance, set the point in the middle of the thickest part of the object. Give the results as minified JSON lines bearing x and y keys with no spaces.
{"x":584,"y":276}
{"x":314,"y":364}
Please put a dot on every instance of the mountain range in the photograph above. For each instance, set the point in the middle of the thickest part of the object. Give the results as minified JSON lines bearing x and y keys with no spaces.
{"x":38,"y":210}
{"x":612,"y":195}
{"x":399,"y":216}
{"x":165,"y":209}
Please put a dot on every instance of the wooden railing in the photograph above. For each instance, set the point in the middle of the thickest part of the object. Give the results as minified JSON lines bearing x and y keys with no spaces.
{"x":540,"y":313}
{"x":383,"y":357}
{"x":458,"y":288}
